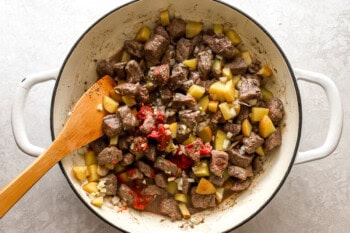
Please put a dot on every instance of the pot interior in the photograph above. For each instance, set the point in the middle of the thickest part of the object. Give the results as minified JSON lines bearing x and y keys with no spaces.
{"x":106,"y":37}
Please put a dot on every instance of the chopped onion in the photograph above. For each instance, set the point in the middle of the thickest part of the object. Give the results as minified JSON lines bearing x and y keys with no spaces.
{"x":223,"y":79}
{"x":229,"y":135}
{"x":226,"y":144}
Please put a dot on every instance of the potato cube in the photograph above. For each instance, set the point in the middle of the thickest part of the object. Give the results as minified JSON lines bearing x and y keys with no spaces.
{"x":247,"y":57}
{"x":233,"y":37}
{"x":258,"y":113}
{"x":246,"y":128}
{"x":125,"y":57}
{"x":217,"y":91}
{"x":189,"y":140}
{"x":220,"y":140}
{"x":184,"y":211}
{"x":196,"y":91}
{"x":93,"y":175}
{"x":227,"y":110}
{"x":217,"y":66}
{"x":113,"y":141}
{"x":98,"y":201}
{"x":203,"y":103}
{"x":265,"y":71}
{"x":181,"y":197}
{"x":173,"y":129}
{"x":266,"y":127}
{"x":226,"y":72}
{"x":129,"y":100}
{"x":219,"y":194}
{"x":206,"y":134}
{"x":144,"y":34}
{"x":266,"y":94}
{"x":260,"y":151}
{"x":90,"y":158}
{"x":109,"y":104}
{"x":90,"y":187}
{"x":171,"y":187}
{"x":80,"y":172}
{"x":201,"y":168}
{"x":190,"y":63}
{"x":193,"y":29}
{"x":230,"y":91}
{"x":213,"y":105}
{"x":205,"y":187}
{"x":164,"y":18}
{"x":237,"y":106}
{"x":170,"y":147}
{"x":218,"y":28}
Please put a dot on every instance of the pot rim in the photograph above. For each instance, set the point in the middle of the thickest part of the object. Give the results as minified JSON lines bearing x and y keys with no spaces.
{"x":273,"y":41}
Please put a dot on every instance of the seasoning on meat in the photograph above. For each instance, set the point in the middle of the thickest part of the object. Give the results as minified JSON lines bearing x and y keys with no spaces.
{"x":134,"y":48}
{"x":155,"y":48}
{"x":110,"y":155}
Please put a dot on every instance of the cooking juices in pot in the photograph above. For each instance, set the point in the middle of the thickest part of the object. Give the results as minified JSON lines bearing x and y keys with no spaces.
{"x":190,"y":121}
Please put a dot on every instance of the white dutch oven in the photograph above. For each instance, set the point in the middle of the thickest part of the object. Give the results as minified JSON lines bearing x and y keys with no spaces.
{"x":106,"y":36}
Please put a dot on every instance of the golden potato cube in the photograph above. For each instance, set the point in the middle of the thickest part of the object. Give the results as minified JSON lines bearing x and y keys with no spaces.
{"x":227,"y":110}
{"x":219,"y":194}
{"x":181,"y":197}
{"x":196,"y":91}
{"x":189,"y":140}
{"x":236,"y":106}
{"x":260,"y":151}
{"x":218,"y":28}
{"x":205,"y":187}
{"x":203,"y":103}
{"x":190,"y":63}
{"x":193,"y":29}
{"x":170,"y":147}
{"x":113,"y":141}
{"x":233,"y":37}
{"x":236,"y":79}
{"x":247,"y":57}
{"x":90,"y":158}
{"x":266,"y":127}
{"x":201,"y":168}
{"x":171,"y":187}
{"x":217,"y":91}
{"x":258,"y":113}
{"x":125,"y":57}
{"x":93,"y":175}
{"x":90,"y":187}
{"x":144,"y":34}
{"x":265,"y":71}
{"x":266,"y":94}
{"x":226,"y":72}
{"x":129,"y":100}
{"x":221,"y":140}
{"x":184,"y":211}
{"x":164,"y":18}
{"x":217,"y":66}
{"x":80,"y":172}
{"x":246,"y":128}
{"x":230,"y":91}
{"x":206,"y":134}
{"x":98,"y":201}
{"x":109,"y":104}
{"x":173,"y":129}
{"x":213,"y":105}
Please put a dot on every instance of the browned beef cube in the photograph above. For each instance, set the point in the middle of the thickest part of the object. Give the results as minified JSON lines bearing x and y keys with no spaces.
{"x":196,"y":145}
{"x":160,"y":30}
{"x":204,"y":63}
{"x":217,"y":117}
{"x":110,"y":183}
{"x":240,"y":185}
{"x":128,"y":89}
{"x":221,"y":45}
{"x":134,"y":47}
{"x":143,"y":95}
{"x":170,"y":208}
{"x":218,"y":162}
{"x":124,"y":142}
{"x":182,"y":133}
{"x":128,"y":159}
{"x":178,"y":76}
{"x":104,"y":68}
{"x":160,"y":180}
{"x":112,"y":125}
{"x":249,"y":90}
{"x":258,"y":164}
{"x":180,"y":100}
{"x":202,"y":201}
{"x":128,"y":119}
{"x":147,"y":124}
{"x":166,"y":166}
{"x":234,"y":129}
{"x":139,"y":145}
{"x":252,"y":142}
{"x":184,"y":49}
{"x":275,"y":106}
{"x":110,"y":155}
{"x":98,"y":145}
{"x":216,"y":180}
{"x":153,"y":190}
{"x":273,"y":141}
{"x":254,"y":67}
{"x":166,"y":94}
{"x":239,"y":172}
{"x":237,"y":66}
{"x":134,"y":72}
{"x":189,"y":118}
{"x":146,"y":169}
{"x":186,"y":185}
{"x":134,"y":174}
{"x":243,"y":114}
{"x":119,"y":70}
{"x":177,"y":28}
{"x":159,"y":75}
{"x":151,"y":152}
{"x":155,"y":48}
{"x":126,"y":194}
{"x":169,"y":57}
{"x":238,"y":159}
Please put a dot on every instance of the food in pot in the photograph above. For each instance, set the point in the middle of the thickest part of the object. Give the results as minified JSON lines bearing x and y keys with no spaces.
{"x":189,"y":123}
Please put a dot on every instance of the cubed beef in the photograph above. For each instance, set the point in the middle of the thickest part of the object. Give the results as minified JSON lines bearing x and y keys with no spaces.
{"x":146,"y":169}
{"x":238,"y":159}
{"x":124,"y":142}
{"x":239,"y":172}
{"x":170,"y":208}
{"x":189,"y":118}
{"x":254,"y":67}
{"x":111,"y":155}
{"x":104,"y":68}
{"x":202,"y":201}
{"x":186,"y":85}
{"x":126,"y":194}
{"x":152,"y":190}
{"x":204,"y":63}
{"x":134,"y":174}
{"x":128,"y":159}
{"x":275,"y":106}
{"x":139,"y":145}
{"x":221,"y":45}
{"x":147,"y":124}
{"x":258,"y":164}
{"x":112,"y":125}
{"x":128,"y":119}
{"x":249,"y":90}
{"x":182,"y":132}
{"x":155,"y":48}
{"x":177,"y":28}
{"x":218,"y":162}
{"x":169,"y":57}
{"x":134,"y":47}
{"x":159,"y":75}
{"x":160,"y":180}
{"x":160,"y":30}
{"x":186,"y":184}
{"x":273,"y":141}
{"x":216,"y":180}
{"x":178,"y":76}
{"x":143,"y":95}
{"x":195,"y":147}
{"x":217,"y":117}
{"x":98,"y":145}
{"x":234,"y":129}
{"x":151,"y":152}
{"x":180,"y":100}
{"x":166,"y":94}
{"x":240,"y":185}
{"x":134,"y":72}
{"x":166,"y":166}
{"x":237,"y":66}
{"x":128,"y":89}
{"x":119,"y":70}
{"x":252,"y":142}
{"x":256,"y":77}
{"x":110,"y":184}
{"x":184,"y":49}
{"x":243,"y":114}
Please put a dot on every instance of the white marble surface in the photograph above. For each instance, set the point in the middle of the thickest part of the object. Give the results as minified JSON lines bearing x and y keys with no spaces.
{"x":36,"y":35}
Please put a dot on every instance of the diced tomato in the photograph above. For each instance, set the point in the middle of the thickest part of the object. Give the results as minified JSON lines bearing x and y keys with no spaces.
{"x":160,"y":118}
{"x":198,"y":146}
{"x":160,"y":135}
{"x":181,"y":161}
{"x":144,"y":111}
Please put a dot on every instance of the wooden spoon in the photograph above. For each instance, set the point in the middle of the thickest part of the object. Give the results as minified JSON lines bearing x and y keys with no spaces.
{"x":83,"y":126}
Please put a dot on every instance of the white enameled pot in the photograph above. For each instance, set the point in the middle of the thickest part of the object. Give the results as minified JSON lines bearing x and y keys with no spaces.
{"x":106,"y":36}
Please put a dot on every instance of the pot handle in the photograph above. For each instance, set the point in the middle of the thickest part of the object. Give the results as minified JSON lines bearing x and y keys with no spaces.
{"x":336,"y":116}
{"x":17,"y":115}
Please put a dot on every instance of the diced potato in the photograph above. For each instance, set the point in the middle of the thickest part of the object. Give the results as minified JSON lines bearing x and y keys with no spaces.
{"x":91,"y":187}
{"x":129,"y":100}
{"x":237,"y":106}
{"x":171,"y":187}
{"x":265,"y":71}
{"x":203,"y":103}
{"x":246,"y":128}
{"x":205,"y":187}
{"x":184,"y":211}
{"x":196,"y":91}
{"x":258,"y":113}
{"x":266,"y":94}
{"x":109,"y":104}
{"x":98,"y":201}
{"x":80,"y":172}
{"x":170,"y":147}
{"x":227,"y":110}
{"x":206,"y":134}
{"x":236,"y":79}
{"x":226,"y":72}
{"x":266,"y":127}
{"x":217,"y":66}
{"x":181,"y":197}
{"x":144,"y":34}
{"x":220,"y":139}
{"x":125,"y":57}
{"x":218,"y":28}
{"x":164,"y":18}
{"x":93,"y":175}
{"x":119,"y":168}
{"x":213,"y":105}
{"x":219,"y":194}
{"x":230,"y":91}
{"x":233,"y":37}
{"x":115,"y":96}
{"x":260,"y":151}
{"x":201,"y":168}
{"x":217,"y":91}
{"x":193,"y":29}
{"x":173,"y":129}
{"x":190,"y":63}
{"x":189,"y":140}
{"x":90,"y":158}
{"x":247,"y":57}
{"x":113,"y":141}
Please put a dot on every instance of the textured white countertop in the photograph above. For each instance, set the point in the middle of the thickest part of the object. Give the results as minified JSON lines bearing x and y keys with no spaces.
{"x":315,"y":35}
